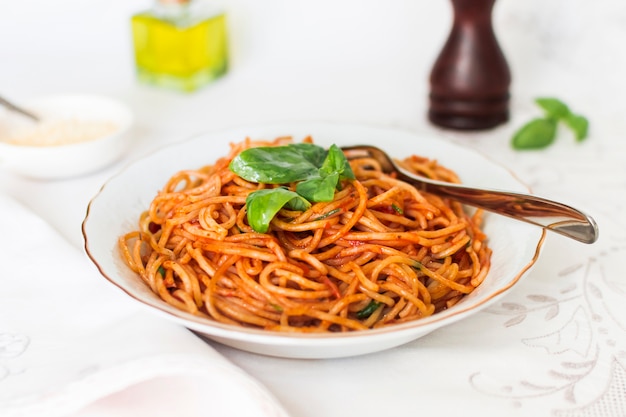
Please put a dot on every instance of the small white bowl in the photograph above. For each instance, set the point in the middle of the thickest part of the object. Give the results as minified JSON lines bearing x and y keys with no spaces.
{"x":77,"y":134}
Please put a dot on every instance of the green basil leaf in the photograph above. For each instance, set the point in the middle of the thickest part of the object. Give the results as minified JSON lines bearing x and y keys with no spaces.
{"x":318,"y":189}
{"x":397,"y":208}
{"x":322,"y":187}
{"x":536,"y":134}
{"x":311,"y":152}
{"x":368,"y":310}
{"x":329,"y":214}
{"x":278,"y":164}
{"x":336,"y":162}
{"x":263,"y":205}
{"x":298,"y":203}
{"x":579,"y":125}
{"x":554,"y":108}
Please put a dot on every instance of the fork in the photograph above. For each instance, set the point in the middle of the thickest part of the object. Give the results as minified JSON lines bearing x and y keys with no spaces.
{"x":548,"y":214}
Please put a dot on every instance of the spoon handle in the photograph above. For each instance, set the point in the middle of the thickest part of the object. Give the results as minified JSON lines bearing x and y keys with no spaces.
{"x":557,"y":217}
{"x":18,"y":109}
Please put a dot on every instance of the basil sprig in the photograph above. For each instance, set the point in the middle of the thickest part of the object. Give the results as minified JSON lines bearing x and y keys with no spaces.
{"x":316,"y":171}
{"x":542,"y":131}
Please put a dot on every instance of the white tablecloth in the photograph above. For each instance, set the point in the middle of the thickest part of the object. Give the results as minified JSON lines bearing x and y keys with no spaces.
{"x":554,"y":346}
{"x":68,"y":342}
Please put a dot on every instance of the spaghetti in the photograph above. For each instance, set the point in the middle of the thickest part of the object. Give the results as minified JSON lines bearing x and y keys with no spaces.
{"x":378,"y":254}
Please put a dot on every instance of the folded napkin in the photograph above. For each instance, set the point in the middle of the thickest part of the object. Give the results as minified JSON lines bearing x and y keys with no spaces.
{"x":71,"y":344}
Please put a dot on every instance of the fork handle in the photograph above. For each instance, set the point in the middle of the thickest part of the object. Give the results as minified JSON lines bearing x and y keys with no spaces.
{"x":551,"y":215}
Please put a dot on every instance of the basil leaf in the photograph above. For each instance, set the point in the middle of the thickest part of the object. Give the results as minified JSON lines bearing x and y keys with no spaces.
{"x":298,"y":203}
{"x":263,"y":205}
{"x":554,"y":108}
{"x":336,"y":162}
{"x":368,"y":310}
{"x":319,"y":188}
{"x":397,"y":208}
{"x":322,"y":187}
{"x":312,"y":153}
{"x":278,"y":164}
{"x":329,"y":214}
{"x":536,"y":134}
{"x":579,"y":125}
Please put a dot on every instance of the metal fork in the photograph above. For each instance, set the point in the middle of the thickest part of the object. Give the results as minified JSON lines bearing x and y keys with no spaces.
{"x":548,"y":214}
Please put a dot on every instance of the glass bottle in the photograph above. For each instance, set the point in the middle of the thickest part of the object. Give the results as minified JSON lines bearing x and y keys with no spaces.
{"x":469,"y":82}
{"x":180,"y":44}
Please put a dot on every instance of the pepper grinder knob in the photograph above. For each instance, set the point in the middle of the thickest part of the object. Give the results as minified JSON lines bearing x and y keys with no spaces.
{"x":469,"y":82}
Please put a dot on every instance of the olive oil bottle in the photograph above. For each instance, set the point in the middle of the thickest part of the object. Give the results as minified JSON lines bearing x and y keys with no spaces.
{"x":180,"y":44}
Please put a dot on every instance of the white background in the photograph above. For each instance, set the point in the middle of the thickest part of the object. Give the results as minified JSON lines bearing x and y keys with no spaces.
{"x":362,"y":61}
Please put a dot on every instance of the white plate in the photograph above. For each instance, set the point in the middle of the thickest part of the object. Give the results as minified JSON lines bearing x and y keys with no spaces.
{"x":116,"y":208}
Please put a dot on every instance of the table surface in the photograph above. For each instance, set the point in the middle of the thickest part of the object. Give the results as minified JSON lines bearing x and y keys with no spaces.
{"x":559,"y":332}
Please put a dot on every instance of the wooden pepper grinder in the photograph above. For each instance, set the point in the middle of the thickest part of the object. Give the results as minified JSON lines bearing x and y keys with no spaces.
{"x":469,"y":83}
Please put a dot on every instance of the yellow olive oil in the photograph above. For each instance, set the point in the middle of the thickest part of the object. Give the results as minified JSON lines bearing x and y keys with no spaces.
{"x":179,"y":51}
